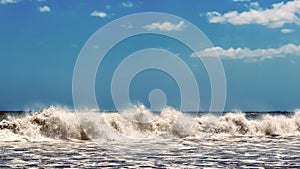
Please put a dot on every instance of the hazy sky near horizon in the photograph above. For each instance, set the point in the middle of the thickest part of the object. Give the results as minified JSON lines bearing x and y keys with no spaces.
{"x":257,"y":41}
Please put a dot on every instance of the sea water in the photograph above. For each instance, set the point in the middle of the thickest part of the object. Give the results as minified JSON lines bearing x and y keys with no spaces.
{"x":137,"y":138}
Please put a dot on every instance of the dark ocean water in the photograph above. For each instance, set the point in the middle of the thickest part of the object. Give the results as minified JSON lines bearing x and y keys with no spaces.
{"x":137,"y":138}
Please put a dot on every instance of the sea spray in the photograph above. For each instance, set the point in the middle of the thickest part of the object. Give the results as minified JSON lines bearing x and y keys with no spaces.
{"x":54,"y":123}
{"x":58,"y":123}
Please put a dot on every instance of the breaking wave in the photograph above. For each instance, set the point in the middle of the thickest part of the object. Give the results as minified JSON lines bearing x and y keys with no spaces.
{"x":56,"y":123}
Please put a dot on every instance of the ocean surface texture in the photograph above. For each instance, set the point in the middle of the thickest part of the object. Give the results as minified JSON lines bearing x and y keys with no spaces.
{"x":137,"y":138}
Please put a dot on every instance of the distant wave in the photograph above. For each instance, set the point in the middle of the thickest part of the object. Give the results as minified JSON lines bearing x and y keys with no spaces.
{"x":56,"y":123}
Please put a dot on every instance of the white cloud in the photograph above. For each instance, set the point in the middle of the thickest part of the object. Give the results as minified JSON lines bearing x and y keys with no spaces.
{"x":246,"y":53}
{"x":250,"y":4}
{"x":127,"y":26}
{"x":253,"y":5}
{"x":45,"y":9}
{"x":165,"y":26}
{"x":287,"y":30}
{"x":277,"y":16}
{"x":99,"y":14}
{"x":127,"y":4}
{"x":9,"y":1}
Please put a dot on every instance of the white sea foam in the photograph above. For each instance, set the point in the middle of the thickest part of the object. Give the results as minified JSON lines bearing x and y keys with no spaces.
{"x":56,"y":123}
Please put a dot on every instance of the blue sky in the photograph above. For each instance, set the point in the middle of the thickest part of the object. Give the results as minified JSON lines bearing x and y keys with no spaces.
{"x":257,"y":41}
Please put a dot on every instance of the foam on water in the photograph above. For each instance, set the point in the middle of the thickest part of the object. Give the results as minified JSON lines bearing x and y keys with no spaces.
{"x":52,"y":123}
{"x":56,"y":123}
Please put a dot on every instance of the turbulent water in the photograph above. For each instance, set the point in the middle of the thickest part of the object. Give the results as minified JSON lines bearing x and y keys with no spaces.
{"x":138,"y":138}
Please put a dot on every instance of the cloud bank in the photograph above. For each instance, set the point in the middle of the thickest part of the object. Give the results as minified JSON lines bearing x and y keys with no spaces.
{"x":165,"y":26}
{"x":280,"y":14}
{"x":250,"y":55}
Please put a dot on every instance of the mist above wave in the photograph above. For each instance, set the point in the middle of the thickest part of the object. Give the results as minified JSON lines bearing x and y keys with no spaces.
{"x":56,"y":123}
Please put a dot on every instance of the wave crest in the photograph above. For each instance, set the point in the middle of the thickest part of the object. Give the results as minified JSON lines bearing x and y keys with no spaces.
{"x":59,"y":123}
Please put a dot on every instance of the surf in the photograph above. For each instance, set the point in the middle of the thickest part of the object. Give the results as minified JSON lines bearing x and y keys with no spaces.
{"x":58,"y":123}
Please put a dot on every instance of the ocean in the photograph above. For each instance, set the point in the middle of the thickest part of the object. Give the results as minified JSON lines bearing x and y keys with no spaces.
{"x":57,"y":137}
